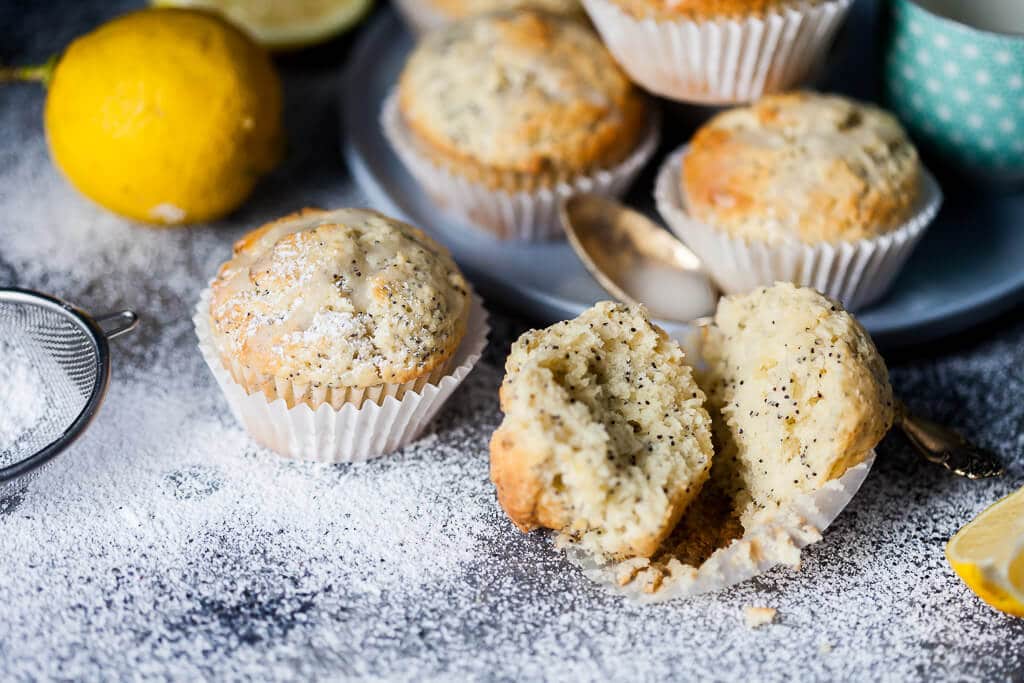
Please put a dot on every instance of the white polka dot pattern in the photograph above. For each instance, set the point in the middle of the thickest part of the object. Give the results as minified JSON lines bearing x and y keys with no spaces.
{"x":958,"y":89}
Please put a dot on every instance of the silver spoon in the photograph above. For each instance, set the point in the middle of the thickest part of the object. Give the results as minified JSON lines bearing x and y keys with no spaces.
{"x":637,"y":261}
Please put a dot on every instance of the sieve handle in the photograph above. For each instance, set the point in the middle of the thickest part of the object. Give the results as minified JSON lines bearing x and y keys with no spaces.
{"x":116,"y":324}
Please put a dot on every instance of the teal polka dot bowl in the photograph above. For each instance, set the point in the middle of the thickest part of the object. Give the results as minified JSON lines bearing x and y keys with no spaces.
{"x":954,"y":74}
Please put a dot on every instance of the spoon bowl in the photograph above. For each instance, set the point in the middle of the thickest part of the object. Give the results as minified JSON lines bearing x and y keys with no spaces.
{"x":637,"y":261}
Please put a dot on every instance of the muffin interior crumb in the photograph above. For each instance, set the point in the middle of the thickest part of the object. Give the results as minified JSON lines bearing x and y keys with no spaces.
{"x":622,"y":419}
{"x":797,"y":394}
{"x":797,"y":391}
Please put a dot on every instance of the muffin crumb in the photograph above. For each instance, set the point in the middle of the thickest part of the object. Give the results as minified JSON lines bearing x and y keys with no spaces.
{"x":755,"y":617}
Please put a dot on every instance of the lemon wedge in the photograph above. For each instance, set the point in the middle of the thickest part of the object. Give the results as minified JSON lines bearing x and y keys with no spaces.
{"x":988,"y":554}
{"x":284,"y":25}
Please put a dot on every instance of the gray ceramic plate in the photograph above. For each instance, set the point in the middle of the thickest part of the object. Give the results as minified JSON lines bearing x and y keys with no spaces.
{"x":969,"y":267}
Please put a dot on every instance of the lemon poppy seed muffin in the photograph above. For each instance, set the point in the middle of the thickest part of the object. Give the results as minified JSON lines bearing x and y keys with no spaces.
{"x":519,"y":100}
{"x":798,"y":393}
{"x":802,"y":166}
{"x":697,"y":10}
{"x":337,"y":307}
{"x":605,"y":437}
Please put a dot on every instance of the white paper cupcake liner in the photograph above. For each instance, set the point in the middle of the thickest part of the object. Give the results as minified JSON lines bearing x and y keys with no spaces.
{"x":775,"y":540}
{"x":856,"y":273}
{"x":530,"y":216}
{"x":384,"y":422}
{"x":720,"y":61}
{"x":420,"y":16}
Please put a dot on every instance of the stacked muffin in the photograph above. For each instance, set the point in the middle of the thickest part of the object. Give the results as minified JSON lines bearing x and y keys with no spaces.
{"x":807,"y":188}
{"x":503,"y":115}
{"x":718,"y":51}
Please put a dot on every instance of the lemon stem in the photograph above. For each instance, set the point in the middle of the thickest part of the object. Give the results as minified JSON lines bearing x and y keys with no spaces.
{"x":39,"y":73}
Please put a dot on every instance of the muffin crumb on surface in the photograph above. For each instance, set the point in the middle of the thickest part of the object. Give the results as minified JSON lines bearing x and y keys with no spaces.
{"x":755,"y":617}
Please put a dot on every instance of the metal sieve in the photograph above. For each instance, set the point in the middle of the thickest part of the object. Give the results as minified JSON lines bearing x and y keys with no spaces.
{"x":61,"y":354}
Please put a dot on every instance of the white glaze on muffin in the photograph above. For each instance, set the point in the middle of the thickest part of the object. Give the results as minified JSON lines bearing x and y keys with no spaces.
{"x":345,"y":298}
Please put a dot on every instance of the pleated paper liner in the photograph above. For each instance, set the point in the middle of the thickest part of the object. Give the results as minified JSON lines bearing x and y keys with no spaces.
{"x":524,"y":215}
{"x":349,"y":426}
{"x":720,"y":61}
{"x":856,"y":273}
{"x":775,"y":539}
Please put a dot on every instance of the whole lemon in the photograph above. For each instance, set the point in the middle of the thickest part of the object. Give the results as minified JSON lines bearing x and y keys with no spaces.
{"x":165,"y":115}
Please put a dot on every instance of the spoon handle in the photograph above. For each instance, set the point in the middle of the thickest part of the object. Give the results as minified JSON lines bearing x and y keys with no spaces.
{"x":943,"y":446}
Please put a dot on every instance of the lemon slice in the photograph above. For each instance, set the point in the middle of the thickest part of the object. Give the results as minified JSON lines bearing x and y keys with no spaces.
{"x":988,"y":554}
{"x":285,"y":24}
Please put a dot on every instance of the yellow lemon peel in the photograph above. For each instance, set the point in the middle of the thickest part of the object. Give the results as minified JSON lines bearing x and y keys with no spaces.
{"x":165,"y":116}
{"x":988,"y":554}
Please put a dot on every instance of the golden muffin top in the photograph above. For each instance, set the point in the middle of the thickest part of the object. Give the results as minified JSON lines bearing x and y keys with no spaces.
{"x":522,"y":92}
{"x":802,"y":166}
{"x":345,"y":298}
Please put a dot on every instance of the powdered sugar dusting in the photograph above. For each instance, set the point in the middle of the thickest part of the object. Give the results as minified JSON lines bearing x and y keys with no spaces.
{"x":165,"y":544}
{"x":22,"y":400}
{"x":327,"y":325}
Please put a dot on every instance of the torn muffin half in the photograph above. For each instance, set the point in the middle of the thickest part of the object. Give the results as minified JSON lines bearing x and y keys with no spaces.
{"x":798,"y":393}
{"x":605,"y":436}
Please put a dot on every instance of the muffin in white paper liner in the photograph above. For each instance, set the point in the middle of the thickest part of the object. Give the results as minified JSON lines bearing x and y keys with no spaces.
{"x":380,"y":422}
{"x":720,"y":61}
{"x":524,"y":215}
{"x":419,"y":15}
{"x":857,"y":273}
{"x":776,"y":539}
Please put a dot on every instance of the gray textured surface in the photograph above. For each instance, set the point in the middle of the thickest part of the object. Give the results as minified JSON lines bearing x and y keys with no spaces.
{"x":166,"y":545}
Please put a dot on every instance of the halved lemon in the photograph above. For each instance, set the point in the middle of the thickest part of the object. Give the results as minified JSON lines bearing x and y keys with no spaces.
{"x":988,"y":554}
{"x":285,"y":24}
